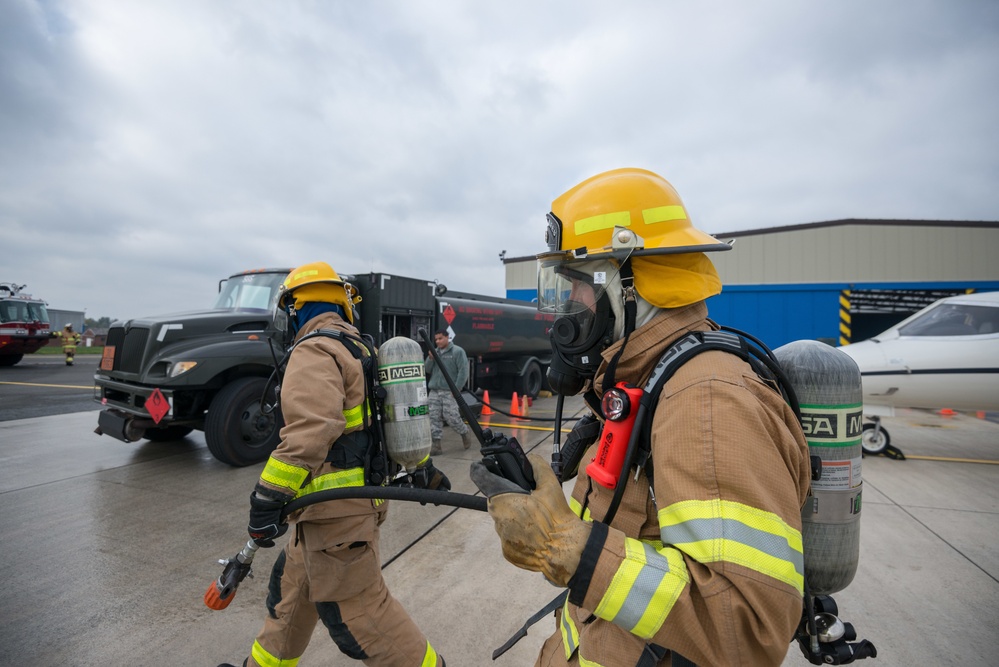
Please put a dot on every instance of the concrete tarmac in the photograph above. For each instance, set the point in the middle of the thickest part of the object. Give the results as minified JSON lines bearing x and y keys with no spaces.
{"x":108,"y":549}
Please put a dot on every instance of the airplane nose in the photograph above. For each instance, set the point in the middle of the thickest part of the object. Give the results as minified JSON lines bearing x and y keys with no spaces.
{"x":868,"y":355}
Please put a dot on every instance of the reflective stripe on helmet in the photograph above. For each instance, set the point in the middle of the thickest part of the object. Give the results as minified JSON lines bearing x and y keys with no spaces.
{"x":650,"y":216}
{"x":604,"y":221}
{"x":663,"y":214}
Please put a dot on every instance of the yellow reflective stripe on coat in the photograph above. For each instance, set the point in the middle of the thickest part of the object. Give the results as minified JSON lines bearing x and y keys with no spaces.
{"x":644,"y":589}
{"x":577,"y":509}
{"x":711,"y":531}
{"x":430,"y":657}
{"x":265,"y":659}
{"x":570,"y":635}
{"x":284,"y":475}
{"x":337,"y":479}
{"x":354,"y":417}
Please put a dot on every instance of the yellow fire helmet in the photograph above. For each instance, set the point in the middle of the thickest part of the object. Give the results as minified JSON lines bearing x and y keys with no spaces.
{"x":632,"y":214}
{"x":318,"y":282}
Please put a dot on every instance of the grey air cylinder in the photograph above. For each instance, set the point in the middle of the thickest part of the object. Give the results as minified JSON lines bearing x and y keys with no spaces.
{"x":827,"y":383}
{"x":407,"y":417}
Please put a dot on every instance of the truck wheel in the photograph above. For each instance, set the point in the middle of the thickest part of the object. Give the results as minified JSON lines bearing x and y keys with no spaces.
{"x":237,"y":431}
{"x":10,"y":359}
{"x":529,"y":382}
{"x":166,"y":433}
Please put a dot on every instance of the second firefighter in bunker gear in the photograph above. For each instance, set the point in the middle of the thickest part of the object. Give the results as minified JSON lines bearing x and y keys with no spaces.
{"x":70,"y":339}
{"x":330,"y":569}
{"x":703,"y":556}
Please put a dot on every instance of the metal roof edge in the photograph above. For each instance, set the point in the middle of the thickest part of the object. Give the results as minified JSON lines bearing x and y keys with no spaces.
{"x":862,"y":222}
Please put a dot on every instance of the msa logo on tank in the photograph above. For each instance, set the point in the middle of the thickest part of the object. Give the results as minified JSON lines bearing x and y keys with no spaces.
{"x":397,"y":412}
{"x":832,"y":425}
{"x":400,"y":373}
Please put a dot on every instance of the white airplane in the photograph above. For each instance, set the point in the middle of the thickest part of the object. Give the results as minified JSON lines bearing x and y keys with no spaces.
{"x":944,"y":356}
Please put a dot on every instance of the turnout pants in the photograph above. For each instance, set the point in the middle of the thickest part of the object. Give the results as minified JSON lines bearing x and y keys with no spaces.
{"x":330,"y":571}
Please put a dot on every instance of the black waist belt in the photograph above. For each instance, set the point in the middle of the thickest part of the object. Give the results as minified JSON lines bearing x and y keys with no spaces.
{"x":350,"y":450}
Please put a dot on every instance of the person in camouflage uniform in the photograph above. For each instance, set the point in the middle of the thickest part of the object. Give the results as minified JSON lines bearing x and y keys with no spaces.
{"x":443,"y":407}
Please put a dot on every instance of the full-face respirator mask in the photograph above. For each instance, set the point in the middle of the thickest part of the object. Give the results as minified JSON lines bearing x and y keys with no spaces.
{"x":584,"y":321}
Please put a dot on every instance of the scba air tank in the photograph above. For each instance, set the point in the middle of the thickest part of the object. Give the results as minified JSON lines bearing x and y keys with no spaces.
{"x":407,"y":418}
{"x":827,"y":383}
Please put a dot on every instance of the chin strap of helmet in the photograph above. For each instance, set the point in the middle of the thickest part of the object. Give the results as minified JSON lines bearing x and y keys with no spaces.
{"x":630,"y":315}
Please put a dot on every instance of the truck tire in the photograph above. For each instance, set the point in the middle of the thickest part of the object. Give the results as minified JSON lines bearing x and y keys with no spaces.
{"x":166,"y":433}
{"x":529,"y":383}
{"x":237,"y":431}
{"x":10,"y":359}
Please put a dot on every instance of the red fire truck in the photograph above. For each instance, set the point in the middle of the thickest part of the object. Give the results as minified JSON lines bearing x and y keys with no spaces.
{"x":24,"y":324}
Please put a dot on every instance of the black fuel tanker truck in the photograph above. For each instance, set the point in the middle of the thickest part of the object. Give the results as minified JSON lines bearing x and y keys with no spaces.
{"x":161,"y":377}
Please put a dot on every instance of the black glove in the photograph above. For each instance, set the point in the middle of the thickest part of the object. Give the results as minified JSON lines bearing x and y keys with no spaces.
{"x":427,"y":476}
{"x":266,"y":523}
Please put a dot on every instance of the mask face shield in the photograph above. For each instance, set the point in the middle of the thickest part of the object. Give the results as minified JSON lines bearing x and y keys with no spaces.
{"x":575,"y":292}
{"x":569,"y":287}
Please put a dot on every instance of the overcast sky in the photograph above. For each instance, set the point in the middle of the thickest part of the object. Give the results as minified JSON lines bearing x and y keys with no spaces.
{"x":149,"y":148}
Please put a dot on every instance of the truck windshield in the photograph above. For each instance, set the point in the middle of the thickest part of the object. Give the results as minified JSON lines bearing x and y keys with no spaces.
{"x":23,"y":311}
{"x":251,"y":290}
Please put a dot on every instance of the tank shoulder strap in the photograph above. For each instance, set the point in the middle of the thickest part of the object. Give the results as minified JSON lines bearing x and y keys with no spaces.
{"x":688,"y":346}
{"x":351,"y":342}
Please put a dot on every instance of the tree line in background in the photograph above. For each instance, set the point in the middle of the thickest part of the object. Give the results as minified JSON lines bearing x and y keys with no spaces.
{"x":99,"y":323}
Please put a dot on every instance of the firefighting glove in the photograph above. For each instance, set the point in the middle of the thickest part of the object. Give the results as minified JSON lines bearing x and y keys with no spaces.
{"x":537,"y":529}
{"x":426,"y":476}
{"x":266,"y":523}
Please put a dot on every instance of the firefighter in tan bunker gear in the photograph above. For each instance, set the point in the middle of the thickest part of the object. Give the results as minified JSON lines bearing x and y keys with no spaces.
{"x":330,"y":569}
{"x":702,"y":561}
{"x":70,"y":339}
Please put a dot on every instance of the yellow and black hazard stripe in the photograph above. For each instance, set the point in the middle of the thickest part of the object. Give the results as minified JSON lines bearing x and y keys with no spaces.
{"x":845,"y":323}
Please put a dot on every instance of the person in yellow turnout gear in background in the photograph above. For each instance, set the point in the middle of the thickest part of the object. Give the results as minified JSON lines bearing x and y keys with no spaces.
{"x":70,"y":339}
{"x":330,"y":570}
{"x":701,"y":561}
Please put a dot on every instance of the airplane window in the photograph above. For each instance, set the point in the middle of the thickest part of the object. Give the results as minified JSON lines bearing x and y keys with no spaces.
{"x":951,"y":319}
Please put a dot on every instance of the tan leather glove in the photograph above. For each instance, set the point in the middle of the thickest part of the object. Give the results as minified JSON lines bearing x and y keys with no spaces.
{"x":537,"y":529}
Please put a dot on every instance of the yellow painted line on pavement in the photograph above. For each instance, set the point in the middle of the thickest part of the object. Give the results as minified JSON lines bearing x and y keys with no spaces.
{"x":58,"y":386}
{"x":523,"y":426}
{"x":951,"y":459}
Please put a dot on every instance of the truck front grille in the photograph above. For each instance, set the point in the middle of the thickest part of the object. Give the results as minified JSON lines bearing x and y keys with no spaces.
{"x":129,"y":347}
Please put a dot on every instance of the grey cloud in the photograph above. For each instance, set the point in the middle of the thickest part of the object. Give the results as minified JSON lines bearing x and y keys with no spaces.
{"x":148,"y":149}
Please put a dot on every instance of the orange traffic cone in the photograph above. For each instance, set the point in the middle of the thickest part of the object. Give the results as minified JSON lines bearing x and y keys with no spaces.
{"x":515,"y":405}
{"x":947,"y":412}
{"x":980,"y":414}
{"x":486,"y":410}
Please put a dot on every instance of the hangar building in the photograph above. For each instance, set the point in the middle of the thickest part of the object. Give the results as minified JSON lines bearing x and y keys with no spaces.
{"x":839,"y":281}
